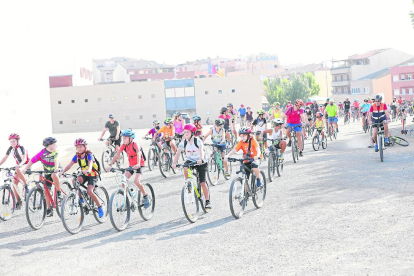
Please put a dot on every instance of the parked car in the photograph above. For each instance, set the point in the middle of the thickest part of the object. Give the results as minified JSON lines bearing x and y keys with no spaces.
{"x":186,"y":118}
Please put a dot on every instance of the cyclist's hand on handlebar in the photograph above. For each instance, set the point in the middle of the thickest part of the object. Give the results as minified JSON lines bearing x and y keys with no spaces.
{"x":199,"y":162}
{"x":174,"y":166}
{"x":136,"y":167}
{"x":109,"y":168}
{"x":85,"y":172}
{"x":255,"y":158}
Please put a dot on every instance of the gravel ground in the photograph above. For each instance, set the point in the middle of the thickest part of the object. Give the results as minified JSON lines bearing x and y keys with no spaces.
{"x":339,"y":211}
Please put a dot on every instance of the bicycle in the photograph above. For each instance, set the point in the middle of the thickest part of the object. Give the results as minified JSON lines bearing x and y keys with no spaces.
{"x":216,"y":165}
{"x":7,"y":195}
{"x":240,"y":191}
{"x":109,"y":153}
{"x":153,"y":154}
{"x":36,"y":200}
{"x":295,"y":147}
{"x":332,"y":131}
{"x":317,"y":141}
{"x":309,"y":129}
{"x":192,"y":194}
{"x":380,"y":139}
{"x":366,"y":127}
{"x":125,"y":199}
{"x":78,"y":203}
{"x":275,"y":164}
{"x":346,"y":119}
{"x":262,"y":147}
{"x":242,"y":121}
{"x":165,"y":161}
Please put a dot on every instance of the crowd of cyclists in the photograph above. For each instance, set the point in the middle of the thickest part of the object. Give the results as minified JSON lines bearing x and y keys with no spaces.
{"x":257,"y":134}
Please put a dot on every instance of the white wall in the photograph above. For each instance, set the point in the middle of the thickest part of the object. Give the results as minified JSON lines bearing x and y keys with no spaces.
{"x":120,"y":74}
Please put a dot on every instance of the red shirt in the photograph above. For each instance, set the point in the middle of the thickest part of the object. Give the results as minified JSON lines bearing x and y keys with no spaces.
{"x":132,"y":152}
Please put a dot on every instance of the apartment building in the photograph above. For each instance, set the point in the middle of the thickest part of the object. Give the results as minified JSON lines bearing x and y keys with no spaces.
{"x":403,"y":80}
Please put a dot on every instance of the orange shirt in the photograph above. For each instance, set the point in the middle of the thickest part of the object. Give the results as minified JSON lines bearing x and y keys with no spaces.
{"x":167,"y":132}
{"x":244,"y":146}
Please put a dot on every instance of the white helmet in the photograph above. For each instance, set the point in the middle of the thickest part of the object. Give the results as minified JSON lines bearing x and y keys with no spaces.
{"x":277,"y":121}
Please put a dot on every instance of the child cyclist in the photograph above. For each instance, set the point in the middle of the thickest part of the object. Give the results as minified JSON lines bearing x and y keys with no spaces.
{"x":178,"y":125}
{"x":197,"y":124}
{"x":250,"y":149}
{"x":218,"y":137}
{"x":133,"y":150}
{"x":319,"y":125}
{"x":260,"y":125}
{"x":49,"y":158}
{"x":168,"y":133}
{"x":153,"y":130}
{"x":21,"y":157}
{"x":193,"y":147}
{"x":276,"y":134}
{"x":89,"y":168}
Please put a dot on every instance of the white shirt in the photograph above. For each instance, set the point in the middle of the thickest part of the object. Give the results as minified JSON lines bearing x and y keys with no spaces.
{"x":191,"y":151}
{"x":275,"y":135}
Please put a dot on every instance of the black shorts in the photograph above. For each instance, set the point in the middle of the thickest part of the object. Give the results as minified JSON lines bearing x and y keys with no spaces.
{"x":201,"y":169}
{"x":91,"y":180}
{"x":168,"y":143}
{"x":132,"y":171}
{"x":48,"y":177}
{"x":115,"y":142}
{"x":179,"y":136}
{"x":250,"y":166}
{"x":228,"y":130}
{"x":242,"y":116}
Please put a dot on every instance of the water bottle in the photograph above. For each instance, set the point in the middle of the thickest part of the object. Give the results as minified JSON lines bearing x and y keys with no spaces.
{"x":133,"y":193}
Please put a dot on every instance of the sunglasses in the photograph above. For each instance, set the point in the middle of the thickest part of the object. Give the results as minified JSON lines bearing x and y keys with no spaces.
{"x":377,"y":101}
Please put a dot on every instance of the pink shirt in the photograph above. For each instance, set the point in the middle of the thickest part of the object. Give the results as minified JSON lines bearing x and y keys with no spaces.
{"x":293,"y":117}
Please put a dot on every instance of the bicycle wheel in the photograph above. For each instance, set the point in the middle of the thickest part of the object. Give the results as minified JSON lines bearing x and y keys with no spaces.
{"x":315,"y":143}
{"x":65,"y":188}
{"x":103,"y":198}
{"x":279,"y":165}
{"x":271,"y":166}
{"x":324,"y":143}
{"x":259,"y":193}
{"x":151,"y":159}
{"x":237,"y":198}
{"x":294,"y":150}
{"x":165,"y":164}
{"x":202,"y":197}
{"x":399,"y":141}
{"x":335,"y":134}
{"x":189,"y":202}
{"x":213,"y":172}
{"x":146,"y":213}
{"x":36,"y":208}
{"x":72,"y":214}
{"x":380,"y":145}
{"x":230,"y":170}
{"x":119,"y":210}
{"x":8,"y":202}
{"x":106,"y":158}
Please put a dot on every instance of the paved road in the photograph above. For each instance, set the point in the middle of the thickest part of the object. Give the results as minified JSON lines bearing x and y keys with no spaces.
{"x":337,"y":211}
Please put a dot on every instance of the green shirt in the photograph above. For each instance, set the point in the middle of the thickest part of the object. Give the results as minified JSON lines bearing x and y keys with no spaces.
{"x":331,"y":110}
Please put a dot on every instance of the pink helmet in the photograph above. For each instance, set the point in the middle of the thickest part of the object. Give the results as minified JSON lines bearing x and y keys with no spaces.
{"x":14,"y":136}
{"x":242,"y":105}
{"x":80,"y":141}
{"x":300,"y":102}
{"x":190,"y":127}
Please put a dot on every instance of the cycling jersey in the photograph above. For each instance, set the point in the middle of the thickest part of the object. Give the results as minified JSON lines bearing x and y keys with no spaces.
{"x":249,"y":116}
{"x":347,"y":105}
{"x":199,"y":128}
{"x":356,"y":104}
{"x":217,"y":137}
{"x":153,"y":131}
{"x":378,"y":112}
{"x":366,"y":107}
{"x":167,"y":131}
{"x":132,"y":152}
{"x":179,"y":126}
{"x":242,"y":111}
{"x":244,"y":146}
{"x":331,"y":110}
{"x":275,"y":135}
{"x":18,"y":153}
{"x":260,"y":124}
{"x":293,"y":116}
{"x":191,"y":150}
{"x":319,"y":124}
{"x":85,"y":164}
{"x":48,"y":160}
{"x":226,"y":119}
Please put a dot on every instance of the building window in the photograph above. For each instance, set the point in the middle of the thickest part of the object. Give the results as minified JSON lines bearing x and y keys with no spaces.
{"x":403,"y":91}
{"x":113,"y":99}
{"x":99,"y":99}
{"x":61,"y":122}
{"x":179,"y":92}
{"x":189,"y":91}
{"x":395,"y":78}
{"x":141,"y":117}
{"x":396,"y":92}
{"x":86,"y":100}
{"x":152,"y":95}
{"x":402,"y":77}
{"x":127,"y":118}
{"x":220,"y":92}
{"x":59,"y":102}
{"x":73,"y":121}
{"x":410,"y":90}
{"x":87,"y":120}
{"x":73,"y":101}
{"x":100,"y":120}
{"x":409,"y":77}
{"x":139,"y":97}
{"x":233,"y":91}
{"x":206,"y":92}
{"x":154,"y":116}
{"x":126,"y":98}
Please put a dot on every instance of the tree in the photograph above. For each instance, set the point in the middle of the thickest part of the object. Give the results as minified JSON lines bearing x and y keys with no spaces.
{"x":412,"y":16}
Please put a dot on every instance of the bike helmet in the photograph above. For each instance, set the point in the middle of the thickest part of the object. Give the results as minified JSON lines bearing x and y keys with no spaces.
{"x":277,"y":122}
{"x":355,"y":100}
{"x":242,"y":105}
{"x":156,"y":122}
{"x":319,"y":115}
{"x":378,"y":97}
{"x":80,"y":141}
{"x":14,"y":136}
{"x":49,"y":141}
{"x":260,"y":112}
{"x":289,"y":102}
{"x":307,"y":107}
{"x":327,"y":99}
{"x":332,"y":100}
{"x":219,"y":122}
{"x":309,"y":100}
{"x":190,"y":127}
{"x":229,"y":105}
{"x":111,"y":116}
{"x":168,"y":121}
{"x":245,"y":130}
{"x":177,"y":114}
{"x":223,"y":110}
{"x":276,"y":103}
{"x":196,"y":118}
{"x":299,"y":102}
{"x":128,"y":133}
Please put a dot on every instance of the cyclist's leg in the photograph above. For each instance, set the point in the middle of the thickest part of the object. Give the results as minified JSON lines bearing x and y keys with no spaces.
{"x":21,"y":176}
{"x":288,"y":133}
{"x":282,"y":146}
{"x":228,"y":135}
{"x":173,"y":147}
{"x":222,"y":149}
{"x":137,"y":181}
{"x":16,"y":181}
{"x":56,"y":181}
{"x":202,"y":169}
{"x":91,"y":184}
{"x":299,"y":137}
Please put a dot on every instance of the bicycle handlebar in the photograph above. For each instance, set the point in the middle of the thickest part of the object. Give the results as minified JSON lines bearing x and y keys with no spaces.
{"x":192,"y":164}
{"x":240,"y":159}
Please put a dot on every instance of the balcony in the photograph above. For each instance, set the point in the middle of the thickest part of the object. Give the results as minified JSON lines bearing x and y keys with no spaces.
{"x":340,"y":83}
{"x":340,"y":70}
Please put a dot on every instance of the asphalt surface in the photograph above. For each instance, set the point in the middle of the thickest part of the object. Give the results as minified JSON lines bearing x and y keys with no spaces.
{"x":338,"y":211}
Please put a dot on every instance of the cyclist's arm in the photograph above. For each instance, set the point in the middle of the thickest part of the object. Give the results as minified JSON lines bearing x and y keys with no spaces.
{"x":117,"y":155}
{"x":207,"y":134}
{"x":233,"y":151}
{"x":28,"y":165}
{"x":118,"y":129}
{"x":68,"y":166}
{"x":4,"y":159}
{"x":177,"y":155}
{"x":265,"y":131}
{"x":103,"y":133}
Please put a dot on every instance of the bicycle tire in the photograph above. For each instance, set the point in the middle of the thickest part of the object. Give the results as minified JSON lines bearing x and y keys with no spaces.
{"x":103,"y":198}
{"x":70,"y":200}
{"x":124,"y":208}
{"x":65,"y":188}
{"x":279,"y":165}
{"x":38,"y":194}
{"x":259,"y":193}
{"x":324,"y":143}
{"x":213,"y":172}
{"x":185,"y":196}
{"x":146,"y":213}
{"x":106,"y":156}
{"x":151,"y":159}
{"x":164,"y":164}
{"x":400,"y":141}
{"x":381,"y":150}
{"x":202,"y":197}
{"x":293,"y":150}
{"x":271,"y":170}
{"x":7,"y":197}
{"x":237,"y":197}
{"x":315,"y":143}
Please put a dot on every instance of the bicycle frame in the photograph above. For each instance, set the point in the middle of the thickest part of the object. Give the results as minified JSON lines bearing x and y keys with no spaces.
{"x":9,"y":181}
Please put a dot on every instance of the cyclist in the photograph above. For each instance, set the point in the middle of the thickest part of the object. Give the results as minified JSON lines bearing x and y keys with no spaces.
{"x":197,"y":124}
{"x":250,"y":149}
{"x":178,"y":125}
{"x":153,"y":130}
{"x":275,"y":112}
{"x":347,"y":107}
{"x":319,"y":125}
{"x":114,"y":132}
{"x":89,"y":168}
{"x":288,"y":105}
{"x":323,"y":111}
{"x":276,"y":133}
{"x":135,"y":159}
{"x":315,"y":108}
{"x":242,"y":113}
{"x":217,"y":133}
{"x":309,"y":102}
{"x":365,"y":109}
{"x":331,"y":111}
{"x":193,"y":147}
{"x":260,"y":125}
{"x":378,"y":114}
{"x":394,"y":106}
{"x":232,"y":113}
{"x":309,"y":116}
{"x":167,"y":133}
{"x":249,"y":117}
{"x":50,"y":161}
{"x":403,"y":107}
{"x":295,"y":117}
{"x":227,"y":122}
{"x":21,"y":157}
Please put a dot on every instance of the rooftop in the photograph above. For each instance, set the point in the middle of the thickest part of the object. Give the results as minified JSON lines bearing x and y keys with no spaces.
{"x":143,"y":64}
{"x":377,"y":75}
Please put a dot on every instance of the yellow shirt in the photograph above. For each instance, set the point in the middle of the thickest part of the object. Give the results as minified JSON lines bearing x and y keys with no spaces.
{"x":319,"y":124}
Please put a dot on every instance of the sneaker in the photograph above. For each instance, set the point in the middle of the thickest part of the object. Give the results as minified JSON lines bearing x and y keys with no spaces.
{"x":146,"y":202}
{"x":289,"y":143}
{"x":26,"y":189}
{"x":101,"y":212}
{"x":281,"y":158}
{"x":59,"y":195}
{"x":226,"y":174}
{"x":300,"y":154}
{"x":376,"y":148}
{"x":337,"y":130}
{"x":259,"y":183}
{"x":386,"y":140}
{"x":19,"y":205}
{"x":49,"y":213}
{"x":208,"y":204}
{"x":81,"y":200}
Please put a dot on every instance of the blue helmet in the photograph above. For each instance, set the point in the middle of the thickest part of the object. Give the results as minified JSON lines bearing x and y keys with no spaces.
{"x":128,"y":133}
{"x":309,"y":100}
{"x":196,"y":118}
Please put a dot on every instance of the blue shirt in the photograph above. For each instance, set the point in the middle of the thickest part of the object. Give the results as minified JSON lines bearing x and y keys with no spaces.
{"x":366,"y":107}
{"x":242,"y":111}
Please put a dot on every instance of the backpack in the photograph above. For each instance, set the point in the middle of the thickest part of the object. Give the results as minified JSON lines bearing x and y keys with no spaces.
{"x":195,"y":143}
{"x":98,"y":171}
{"x":143,"y":158}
